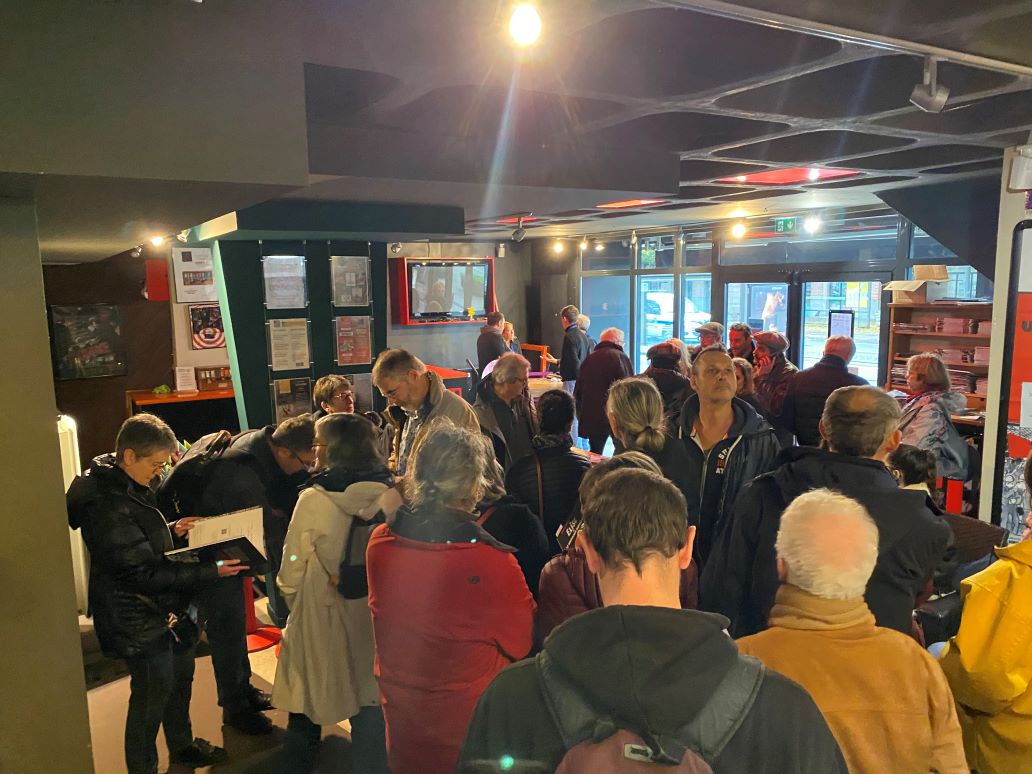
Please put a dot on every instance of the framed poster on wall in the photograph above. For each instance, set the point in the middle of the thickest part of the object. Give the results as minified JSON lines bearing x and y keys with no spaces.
{"x":354,"y":340}
{"x":206,"y":331}
{"x":288,"y":345}
{"x":87,"y":341}
{"x":349,"y":276}
{"x":194,"y":274}
{"x":284,"y":279}
{"x":291,"y":397}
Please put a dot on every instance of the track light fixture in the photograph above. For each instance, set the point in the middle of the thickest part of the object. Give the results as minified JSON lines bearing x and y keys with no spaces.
{"x":634,"y":238}
{"x":519,"y":232}
{"x":136,"y":252}
{"x":183,"y":235}
{"x":929,"y":95}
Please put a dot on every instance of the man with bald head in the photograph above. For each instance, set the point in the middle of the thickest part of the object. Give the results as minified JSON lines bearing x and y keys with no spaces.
{"x":885,"y":698}
{"x":861,"y":428}
{"x":810,"y":388}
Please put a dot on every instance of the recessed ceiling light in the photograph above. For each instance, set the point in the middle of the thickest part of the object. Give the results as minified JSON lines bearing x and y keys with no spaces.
{"x":557,"y":247}
{"x":630,"y":203}
{"x":813,"y":174}
{"x":600,"y":246}
{"x":738,"y":229}
{"x":525,"y":24}
{"x":157,"y":241}
{"x":812,"y":224}
{"x":583,"y":244}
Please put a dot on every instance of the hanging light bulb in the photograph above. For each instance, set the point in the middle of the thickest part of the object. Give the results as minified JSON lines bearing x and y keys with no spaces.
{"x":557,"y":248}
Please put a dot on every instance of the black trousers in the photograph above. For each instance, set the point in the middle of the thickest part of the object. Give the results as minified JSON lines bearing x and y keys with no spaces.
{"x":368,"y":743}
{"x":160,"y":686}
{"x":598,"y":442}
{"x":222,"y":616}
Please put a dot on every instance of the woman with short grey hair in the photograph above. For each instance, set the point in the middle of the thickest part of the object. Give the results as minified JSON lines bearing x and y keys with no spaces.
{"x":926,"y":421}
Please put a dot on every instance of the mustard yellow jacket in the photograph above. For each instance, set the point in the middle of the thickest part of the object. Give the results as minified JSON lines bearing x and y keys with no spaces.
{"x":989,"y":664}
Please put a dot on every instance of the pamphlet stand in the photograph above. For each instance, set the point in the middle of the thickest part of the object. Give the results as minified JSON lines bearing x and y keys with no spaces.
{"x":258,"y":637}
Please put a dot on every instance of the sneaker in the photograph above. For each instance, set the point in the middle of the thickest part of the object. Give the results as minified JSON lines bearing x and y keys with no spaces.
{"x":250,"y":722}
{"x":259,"y":699}
{"x":198,"y":754}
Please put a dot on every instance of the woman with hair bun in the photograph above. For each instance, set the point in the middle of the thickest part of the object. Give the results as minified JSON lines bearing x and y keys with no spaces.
{"x":635,"y":411}
{"x":450,"y":606}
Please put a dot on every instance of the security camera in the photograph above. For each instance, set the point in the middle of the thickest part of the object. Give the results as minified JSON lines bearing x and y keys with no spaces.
{"x":929,"y":95}
{"x":519,"y":232}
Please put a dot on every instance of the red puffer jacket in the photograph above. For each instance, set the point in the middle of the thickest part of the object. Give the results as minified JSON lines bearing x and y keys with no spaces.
{"x":567,"y":587}
{"x":450,"y":610}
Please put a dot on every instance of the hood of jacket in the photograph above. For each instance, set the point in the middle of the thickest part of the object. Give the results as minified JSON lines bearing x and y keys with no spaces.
{"x":652,"y":663}
{"x":608,"y":345}
{"x":441,"y":525}
{"x":103,"y":475}
{"x":950,"y":401}
{"x":803,"y":468}
{"x":361,"y":499}
{"x":746,"y":419}
{"x":487,"y":329}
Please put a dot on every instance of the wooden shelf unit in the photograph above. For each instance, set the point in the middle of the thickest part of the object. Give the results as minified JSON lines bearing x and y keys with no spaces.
{"x":903,"y":343}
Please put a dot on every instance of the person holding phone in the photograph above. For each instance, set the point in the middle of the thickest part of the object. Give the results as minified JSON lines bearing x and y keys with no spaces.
{"x":139,"y":598}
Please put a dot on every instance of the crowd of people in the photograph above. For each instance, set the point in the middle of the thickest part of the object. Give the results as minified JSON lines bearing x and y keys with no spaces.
{"x":733,"y":589}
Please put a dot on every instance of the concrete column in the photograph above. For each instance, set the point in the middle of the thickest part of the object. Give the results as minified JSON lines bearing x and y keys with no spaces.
{"x":44,"y":724}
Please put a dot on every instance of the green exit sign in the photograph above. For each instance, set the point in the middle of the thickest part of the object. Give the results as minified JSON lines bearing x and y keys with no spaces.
{"x":784,"y":225}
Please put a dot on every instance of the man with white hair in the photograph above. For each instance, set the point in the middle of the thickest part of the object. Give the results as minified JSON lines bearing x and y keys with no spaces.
{"x":600,"y":369}
{"x":884,"y":697}
{"x":584,"y":323}
{"x":808,"y":391}
{"x":861,"y":428}
{"x":504,"y":410}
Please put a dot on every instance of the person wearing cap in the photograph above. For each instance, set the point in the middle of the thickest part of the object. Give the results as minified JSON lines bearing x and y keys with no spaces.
{"x":709,"y":334}
{"x":674,"y":388}
{"x":773,"y":377}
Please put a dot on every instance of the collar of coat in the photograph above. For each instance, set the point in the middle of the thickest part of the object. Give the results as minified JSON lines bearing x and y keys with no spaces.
{"x":795,"y":608}
{"x":441,"y":524}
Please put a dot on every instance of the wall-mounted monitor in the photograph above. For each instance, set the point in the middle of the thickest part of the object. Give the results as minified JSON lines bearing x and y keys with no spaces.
{"x":427,"y":291}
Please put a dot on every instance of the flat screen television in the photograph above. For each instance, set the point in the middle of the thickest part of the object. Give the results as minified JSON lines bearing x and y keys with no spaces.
{"x":443,"y":290}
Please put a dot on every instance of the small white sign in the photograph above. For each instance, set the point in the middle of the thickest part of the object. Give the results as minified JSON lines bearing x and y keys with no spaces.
{"x":186,"y":379}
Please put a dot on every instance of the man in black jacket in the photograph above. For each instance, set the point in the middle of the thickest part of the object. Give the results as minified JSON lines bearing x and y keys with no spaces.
{"x":728,"y":445}
{"x":504,"y":409}
{"x":138,"y":597}
{"x":861,"y":427}
{"x":575,"y":347}
{"x":263,"y":468}
{"x":490,"y":343}
{"x":810,"y":388}
{"x":670,"y":677}
{"x":607,"y":364}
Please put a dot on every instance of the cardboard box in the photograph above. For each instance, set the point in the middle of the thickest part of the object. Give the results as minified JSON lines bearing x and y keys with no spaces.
{"x":930,"y":283}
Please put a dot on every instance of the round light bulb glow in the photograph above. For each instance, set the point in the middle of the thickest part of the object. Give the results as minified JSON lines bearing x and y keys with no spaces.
{"x":812,"y":224}
{"x":557,"y":247}
{"x":583,"y":244}
{"x":599,"y":247}
{"x":738,"y":230}
{"x":740,"y":178}
{"x":525,"y":24}
{"x":813,"y":174}
{"x":157,"y":241}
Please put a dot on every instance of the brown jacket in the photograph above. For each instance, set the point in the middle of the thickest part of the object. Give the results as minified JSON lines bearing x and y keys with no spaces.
{"x":443,"y":403}
{"x":884,"y":697}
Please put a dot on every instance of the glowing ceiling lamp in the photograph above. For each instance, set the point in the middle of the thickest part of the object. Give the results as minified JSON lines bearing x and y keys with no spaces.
{"x":557,"y":248}
{"x":790,"y":176}
{"x":739,"y":229}
{"x":525,"y":25}
{"x":157,"y":241}
{"x":812,"y":224}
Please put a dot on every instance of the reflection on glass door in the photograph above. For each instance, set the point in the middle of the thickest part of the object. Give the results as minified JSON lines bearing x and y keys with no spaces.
{"x":655,"y":314}
{"x":864,"y":299}
{"x":695,"y":305}
{"x":763,"y":306}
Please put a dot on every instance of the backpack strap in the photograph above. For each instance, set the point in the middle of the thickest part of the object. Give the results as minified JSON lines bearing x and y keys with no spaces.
{"x":540,"y":486}
{"x":707,"y":734}
{"x":486,"y":514}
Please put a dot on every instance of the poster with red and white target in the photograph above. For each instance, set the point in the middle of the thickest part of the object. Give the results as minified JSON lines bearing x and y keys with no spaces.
{"x":206,"y":331}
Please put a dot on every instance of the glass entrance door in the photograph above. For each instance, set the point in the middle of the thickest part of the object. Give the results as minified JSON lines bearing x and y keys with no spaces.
{"x":761,"y":305}
{"x":858,"y":293}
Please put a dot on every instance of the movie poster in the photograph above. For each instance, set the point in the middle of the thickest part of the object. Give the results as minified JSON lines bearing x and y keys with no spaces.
{"x":350,"y":278}
{"x":206,"y":331}
{"x":292,"y":397}
{"x":194,"y":274}
{"x":354,"y":337}
{"x":87,"y":341}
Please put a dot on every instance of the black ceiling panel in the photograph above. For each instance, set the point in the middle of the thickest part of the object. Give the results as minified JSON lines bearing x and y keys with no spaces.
{"x":858,"y":88}
{"x":619,"y":214}
{"x":978,"y":166}
{"x":1012,"y":138}
{"x":742,"y":197}
{"x":919,"y":158}
{"x":859,"y":181}
{"x":478,"y":111}
{"x":335,"y":94}
{"x":683,"y":131}
{"x":705,"y":191}
{"x":985,"y":115}
{"x":568,"y":222}
{"x":573,"y":213}
{"x":665,"y":52}
{"x":811,"y":147}
{"x":704,"y":169}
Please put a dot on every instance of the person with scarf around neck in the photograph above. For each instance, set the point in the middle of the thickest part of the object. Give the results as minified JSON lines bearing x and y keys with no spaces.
{"x":450,"y":605}
{"x":884,"y":697}
{"x":324,"y":674}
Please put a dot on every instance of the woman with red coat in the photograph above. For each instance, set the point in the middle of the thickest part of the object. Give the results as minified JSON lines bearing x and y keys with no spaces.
{"x":449,"y":602}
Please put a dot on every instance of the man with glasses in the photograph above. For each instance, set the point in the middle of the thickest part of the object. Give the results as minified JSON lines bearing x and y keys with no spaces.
{"x":504,"y":409}
{"x":414,"y":397}
{"x":262,"y":468}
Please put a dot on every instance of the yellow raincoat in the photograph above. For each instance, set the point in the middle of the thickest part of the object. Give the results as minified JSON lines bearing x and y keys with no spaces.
{"x":989,"y":664}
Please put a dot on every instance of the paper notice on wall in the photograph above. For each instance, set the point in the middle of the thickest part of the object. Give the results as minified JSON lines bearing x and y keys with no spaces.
{"x":288,"y":344}
{"x":186,"y":379}
{"x":1026,"y":404}
{"x":194,"y":273}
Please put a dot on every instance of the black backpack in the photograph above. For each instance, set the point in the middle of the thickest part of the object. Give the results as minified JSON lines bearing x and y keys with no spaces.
{"x":179,"y":494}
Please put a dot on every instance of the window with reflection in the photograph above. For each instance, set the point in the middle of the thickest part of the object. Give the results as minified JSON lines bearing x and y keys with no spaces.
{"x":612,"y":255}
{"x":763,"y":306}
{"x":696,"y":298}
{"x":606,"y":300}
{"x":864,"y":300}
{"x":654,"y":305}
{"x":810,"y":239}
{"x":656,"y":252}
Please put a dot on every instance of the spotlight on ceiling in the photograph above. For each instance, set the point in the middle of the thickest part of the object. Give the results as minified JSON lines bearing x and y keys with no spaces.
{"x":812,"y":224}
{"x":525,"y":25}
{"x":813,"y":175}
{"x":396,"y":247}
{"x":157,"y":241}
{"x":136,"y":251}
{"x":929,"y":95}
{"x":583,"y":244}
{"x":557,"y":248}
{"x":738,"y":229}
{"x":600,"y":246}
{"x":519,"y":232}
{"x":183,"y":235}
